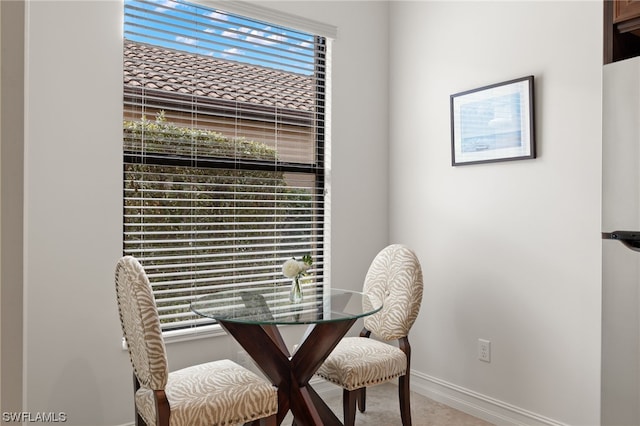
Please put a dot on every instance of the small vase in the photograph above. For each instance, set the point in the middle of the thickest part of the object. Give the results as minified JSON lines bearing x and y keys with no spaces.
{"x":295,"y":295}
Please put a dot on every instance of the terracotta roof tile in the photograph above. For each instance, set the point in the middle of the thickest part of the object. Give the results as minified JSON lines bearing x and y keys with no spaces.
{"x":170,"y":70}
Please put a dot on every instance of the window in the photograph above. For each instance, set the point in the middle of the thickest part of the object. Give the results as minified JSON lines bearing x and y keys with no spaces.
{"x":224,"y":152}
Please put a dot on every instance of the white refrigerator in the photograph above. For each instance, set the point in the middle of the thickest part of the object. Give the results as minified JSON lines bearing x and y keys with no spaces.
{"x":620,"y":404}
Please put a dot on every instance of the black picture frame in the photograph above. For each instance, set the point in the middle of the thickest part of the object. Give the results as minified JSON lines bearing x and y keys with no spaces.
{"x":493,"y":123}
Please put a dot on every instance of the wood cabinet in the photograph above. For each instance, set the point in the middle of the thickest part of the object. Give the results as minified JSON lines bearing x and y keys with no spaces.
{"x":626,"y":16}
{"x":625,"y":9}
{"x":621,"y":29}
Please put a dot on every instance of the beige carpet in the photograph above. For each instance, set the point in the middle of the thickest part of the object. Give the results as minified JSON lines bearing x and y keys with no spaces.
{"x":383,"y":410}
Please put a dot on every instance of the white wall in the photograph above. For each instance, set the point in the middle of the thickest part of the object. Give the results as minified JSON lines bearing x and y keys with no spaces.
{"x":12,"y":134}
{"x":72,"y":359}
{"x":511,"y":251}
{"x":0,"y":212}
{"x":73,"y":206}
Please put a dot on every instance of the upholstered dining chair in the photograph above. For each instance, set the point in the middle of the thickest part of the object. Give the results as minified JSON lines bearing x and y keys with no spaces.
{"x":214,"y":393}
{"x":395,"y":277}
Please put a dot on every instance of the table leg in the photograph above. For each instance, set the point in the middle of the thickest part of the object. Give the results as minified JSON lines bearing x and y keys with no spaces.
{"x":291,"y":375}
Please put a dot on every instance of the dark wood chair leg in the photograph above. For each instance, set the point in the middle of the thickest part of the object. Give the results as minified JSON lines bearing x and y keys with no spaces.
{"x":404,"y":392}
{"x":349,"y":406}
{"x":163,"y":411}
{"x":362,"y":396}
{"x":404,"y":395}
{"x":362,"y":399}
{"x":139,"y":420}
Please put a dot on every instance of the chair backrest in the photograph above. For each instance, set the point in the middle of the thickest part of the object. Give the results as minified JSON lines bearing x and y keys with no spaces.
{"x":140,"y":324}
{"x":395,"y":277}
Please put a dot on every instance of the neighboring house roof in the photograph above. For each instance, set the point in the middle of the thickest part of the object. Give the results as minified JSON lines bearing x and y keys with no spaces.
{"x":169,"y":72}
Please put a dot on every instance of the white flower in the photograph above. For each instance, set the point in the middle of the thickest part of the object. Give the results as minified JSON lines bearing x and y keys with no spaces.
{"x":293,"y":268}
{"x":290,"y":268}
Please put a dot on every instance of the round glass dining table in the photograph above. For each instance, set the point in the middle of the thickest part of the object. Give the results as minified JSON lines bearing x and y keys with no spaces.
{"x":252,"y":316}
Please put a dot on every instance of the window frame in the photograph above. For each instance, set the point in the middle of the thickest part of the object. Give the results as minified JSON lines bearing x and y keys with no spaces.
{"x":319,"y":169}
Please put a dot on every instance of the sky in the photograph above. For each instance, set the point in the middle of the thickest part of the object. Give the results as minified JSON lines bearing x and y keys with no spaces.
{"x":193,"y":28}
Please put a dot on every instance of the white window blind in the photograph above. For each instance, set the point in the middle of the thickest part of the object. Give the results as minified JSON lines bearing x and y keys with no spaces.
{"x":224,"y":152}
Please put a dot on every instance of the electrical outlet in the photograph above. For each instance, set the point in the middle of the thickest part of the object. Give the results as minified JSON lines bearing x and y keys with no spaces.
{"x":484,"y":350}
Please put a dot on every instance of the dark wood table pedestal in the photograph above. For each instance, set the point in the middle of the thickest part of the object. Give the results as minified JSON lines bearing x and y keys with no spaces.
{"x":291,"y":374}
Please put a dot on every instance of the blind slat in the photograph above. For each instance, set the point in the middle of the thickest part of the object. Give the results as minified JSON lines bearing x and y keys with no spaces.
{"x":223,"y":143}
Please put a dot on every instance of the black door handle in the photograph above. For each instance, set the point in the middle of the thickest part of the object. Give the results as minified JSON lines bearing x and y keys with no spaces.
{"x":631,"y":239}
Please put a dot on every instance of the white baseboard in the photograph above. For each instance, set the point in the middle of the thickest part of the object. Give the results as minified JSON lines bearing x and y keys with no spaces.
{"x":484,"y":407}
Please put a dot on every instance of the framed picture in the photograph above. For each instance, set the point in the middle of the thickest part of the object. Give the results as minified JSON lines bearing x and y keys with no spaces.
{"x":493,"y":123}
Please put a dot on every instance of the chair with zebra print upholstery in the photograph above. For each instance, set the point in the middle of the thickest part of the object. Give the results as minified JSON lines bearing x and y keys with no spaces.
{"x":214,"y":393}
{"x":395,"y":277}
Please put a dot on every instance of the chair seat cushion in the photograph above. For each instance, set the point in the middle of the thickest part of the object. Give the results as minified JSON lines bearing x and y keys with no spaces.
{"x":358,"y":362}
{"x":215,"y":393}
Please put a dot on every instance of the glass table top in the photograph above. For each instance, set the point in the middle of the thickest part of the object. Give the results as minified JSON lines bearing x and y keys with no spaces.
{"x":271,"y":305}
